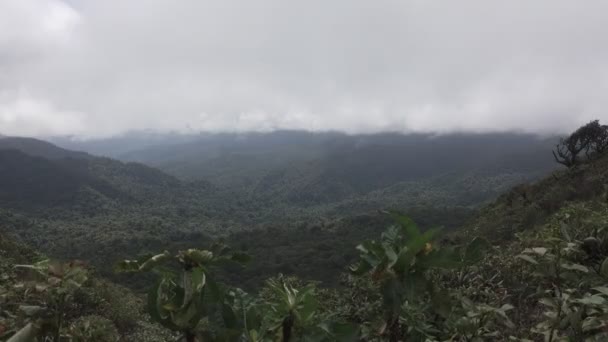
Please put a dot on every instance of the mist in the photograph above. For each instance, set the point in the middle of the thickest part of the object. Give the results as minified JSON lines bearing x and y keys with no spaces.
{"x":101,"y":68}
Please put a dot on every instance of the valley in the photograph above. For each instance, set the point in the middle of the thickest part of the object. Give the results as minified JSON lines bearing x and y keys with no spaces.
{"x":309,"y":224}
{"x":321,"y":187}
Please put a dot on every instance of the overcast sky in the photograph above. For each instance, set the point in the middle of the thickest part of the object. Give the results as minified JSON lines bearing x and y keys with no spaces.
{"x":101,"y":67}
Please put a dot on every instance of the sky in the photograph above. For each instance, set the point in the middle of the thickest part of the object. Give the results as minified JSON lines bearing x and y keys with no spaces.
{"x":96,"y":68}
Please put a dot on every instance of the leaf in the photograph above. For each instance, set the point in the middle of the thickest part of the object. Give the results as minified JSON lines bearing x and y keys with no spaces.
{"x":26,"y":334}
{"x":389,"y":253}
{"x":413,"y":247}
{"x":307,"y":308}
{"x":198,"y":279}
{"x":592,"y":323}
{"x":604,"y":268}
{"x":361,"y":268}
{"x":592,"y":300}
{"x":187,"y":317}
{"x":527,"y":258}
{"x":30,"y":310}
{"x":507,"y":307}
{"x":475,"y":250}
{"x":575,"y":267}
{"x":200,"y":257}
{"x":548,"y":302}
{"x":392,"y":235}
{"x":602,"y":289}
{"x":408,"y":226}
{"x":155,"y":304}
{"x":565,"y":230}
{"x":154,"y":261}
{"x":126,"y":266}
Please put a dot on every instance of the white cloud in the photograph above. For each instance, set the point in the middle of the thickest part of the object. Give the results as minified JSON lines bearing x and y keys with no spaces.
{"x":21,"y":114}
{"x":352,"y":65}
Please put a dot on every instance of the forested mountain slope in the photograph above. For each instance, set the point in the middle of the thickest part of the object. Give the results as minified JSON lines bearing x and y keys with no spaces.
{"x":360,"y":162}
{"x":550,"y":233}
{"x":39,"y":148}
{"x":531,"y":264}
{"x":532,"y":204}
{"x":293,"y":173}
{"x":97,"y":208}
{"x":60,"y":179}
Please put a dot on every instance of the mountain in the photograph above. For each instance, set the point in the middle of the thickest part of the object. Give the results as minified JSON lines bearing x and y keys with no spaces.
{"x":119,"y":145}
{"x":39,"y":148}
{"x":304,"y":169}
{"x":40,"y":175}
{"x":211,"y":156}
{"x":77,"y":205}
{"x":30,"y":182}
{"x":549,"y":232}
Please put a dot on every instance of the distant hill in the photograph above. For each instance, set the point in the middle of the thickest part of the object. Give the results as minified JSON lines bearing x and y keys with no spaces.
{"x":36,"y":175}
{"x":39,"y":148}
{"x":306,"y":169}
{"x":77,"y":205}
{"x":29,"y":182}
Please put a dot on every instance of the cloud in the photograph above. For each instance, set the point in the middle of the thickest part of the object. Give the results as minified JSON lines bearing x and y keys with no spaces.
{"x":350,"y":65}
{"x":22,"y":115}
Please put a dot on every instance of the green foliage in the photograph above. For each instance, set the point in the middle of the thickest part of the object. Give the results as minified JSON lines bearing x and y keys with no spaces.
{"x":191,"y":302}
{"x":180,"y":301}
{"x":93,"y":328}
{"x":402,"y":264}
{"x":574,"y":298}
{"x":76,"y":206}
{"x":43,"y":300}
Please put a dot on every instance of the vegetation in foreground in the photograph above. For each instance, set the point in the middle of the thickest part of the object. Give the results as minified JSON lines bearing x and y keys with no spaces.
{"x":548,"y":284}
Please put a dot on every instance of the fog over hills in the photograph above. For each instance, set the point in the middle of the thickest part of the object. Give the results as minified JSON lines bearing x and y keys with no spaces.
{"x":319,"y":171}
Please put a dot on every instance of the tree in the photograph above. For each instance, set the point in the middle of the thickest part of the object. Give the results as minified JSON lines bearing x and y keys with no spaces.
{"x":599,"y":143}
{"x":591,"y":138}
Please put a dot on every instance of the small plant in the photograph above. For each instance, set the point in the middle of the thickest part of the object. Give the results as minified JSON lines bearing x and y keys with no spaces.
{"x":572,"y":295}
{"x":401,"y":264}
{"x":47,"y":298}
{"x":93,"y":328}
{"x":192,"y":302}
{"x":180,"y":301}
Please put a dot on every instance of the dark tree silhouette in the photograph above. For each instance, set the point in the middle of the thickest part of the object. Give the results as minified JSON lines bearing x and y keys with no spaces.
{"x":592,"y":139}
{"x":599,"y":144}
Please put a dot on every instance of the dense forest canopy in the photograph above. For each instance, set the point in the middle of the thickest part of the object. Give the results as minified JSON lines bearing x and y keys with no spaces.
{"x":249,"y":186}
{"x":305,"y":249}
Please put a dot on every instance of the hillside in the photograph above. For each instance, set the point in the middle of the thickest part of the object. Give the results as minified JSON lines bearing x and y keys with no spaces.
{"x":99,"y":309}
{"x":39,"y":148}
{"x":292,"y":172}
{"x":101,"y":209}
{"x":58,"y":179}
{"x":563,"y":215}
{"x":388,"y":158}
{"x":530,"y":205}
